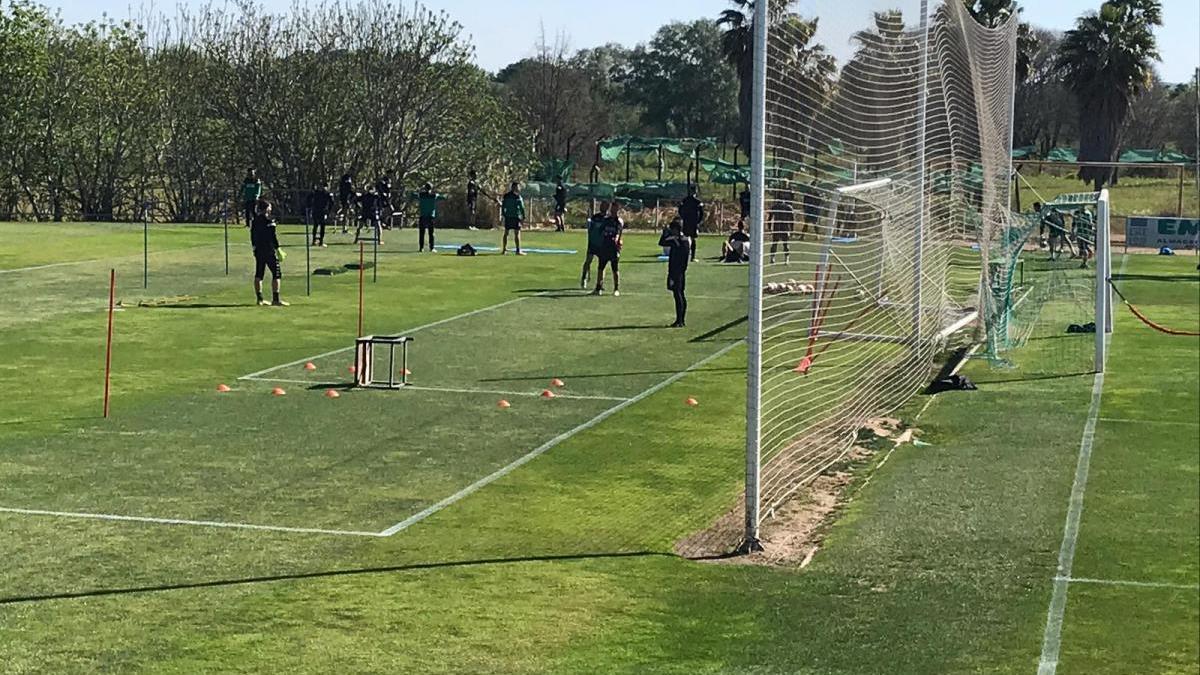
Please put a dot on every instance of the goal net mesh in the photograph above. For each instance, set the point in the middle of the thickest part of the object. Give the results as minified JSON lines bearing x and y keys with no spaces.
{"x":887,"y":174}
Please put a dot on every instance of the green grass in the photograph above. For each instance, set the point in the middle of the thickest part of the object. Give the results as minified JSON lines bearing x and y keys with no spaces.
{"x":942,"y":562}
{"x":1131,"y":196}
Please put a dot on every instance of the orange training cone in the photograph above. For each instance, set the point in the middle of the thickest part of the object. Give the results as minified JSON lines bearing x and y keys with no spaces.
{"x":405,"y":372}
{"x":278,"y":391}
{"x":692,"y":402}
{"x":548,"y":394}
{"x":332,"y":393}
{"x":352,"y":369}
{"x":558,"y":383}
{"x":223,"y":388}
{"x":504,"y":405}
{"x":310,"y":366}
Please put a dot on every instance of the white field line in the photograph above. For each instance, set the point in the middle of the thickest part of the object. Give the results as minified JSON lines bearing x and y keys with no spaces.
{"x":504,"y":471}
{"x":1052,"y":637}
{"x":179,"y":521}
{"x":557,"y":394}
{"x":1125,"y":420}
{"x":69,"y":263}
{"x":1136,"y":584}
{"x":410,"y":331}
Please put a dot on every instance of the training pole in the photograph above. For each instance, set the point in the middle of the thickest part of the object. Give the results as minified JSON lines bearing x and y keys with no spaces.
{"x":375,"y":259}
{"x":361,"y":252}
{"x":112,"y":298}
{"x":145,"y":249}
{"x":307,"y":256}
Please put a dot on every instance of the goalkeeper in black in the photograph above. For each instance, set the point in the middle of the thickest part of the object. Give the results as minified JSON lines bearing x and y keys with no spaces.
{"x":691,"y":213}
{"x":266,"y":253}
{"x":679,"y":252}
{"x":320,"y":203}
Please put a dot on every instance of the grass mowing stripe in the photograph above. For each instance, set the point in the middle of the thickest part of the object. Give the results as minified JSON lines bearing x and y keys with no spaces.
{"x":454,"y":390}
{"x":179,"y":521}
{"x":1052,"y":638}
{"x":1124,"y":420}
{"x":505,"y":470}
{"x":410,"y":331}
{"x":1140,"y":584}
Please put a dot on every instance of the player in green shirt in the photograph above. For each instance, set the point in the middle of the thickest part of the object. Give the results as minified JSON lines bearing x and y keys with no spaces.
{"x":251,"y":192}
{"x":1084,"y":225}
{"x":512,"y":210}
{"x":427,"y":203}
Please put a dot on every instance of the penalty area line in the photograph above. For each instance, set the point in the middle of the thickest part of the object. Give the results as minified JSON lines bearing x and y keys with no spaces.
{"x":1136,"y":584}
{"x":181,"y":521}
{"x":454,"y":390}
{"x":542,"y":449}
{"x":464,"y":315}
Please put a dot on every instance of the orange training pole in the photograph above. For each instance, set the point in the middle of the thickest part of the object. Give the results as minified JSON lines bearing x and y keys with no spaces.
{"x":360,"y":288}
{"x":112,"y":297}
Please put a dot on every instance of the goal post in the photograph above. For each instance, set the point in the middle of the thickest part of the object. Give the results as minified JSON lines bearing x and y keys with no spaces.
{"x":888,"y":131}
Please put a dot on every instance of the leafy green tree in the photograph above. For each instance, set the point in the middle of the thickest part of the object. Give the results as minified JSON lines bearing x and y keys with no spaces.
{"x":1107,"y":61}
{"x":682,"y":83}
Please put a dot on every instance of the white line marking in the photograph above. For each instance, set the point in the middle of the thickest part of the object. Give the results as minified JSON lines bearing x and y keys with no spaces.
{"x":1138,"y":584}
{"x":179,"y":521}
{"x":1052,"y":638}
{"x":96,"y":260}
{"x":410,"y":331}
{"x":504,"y":471}
{"x":1123,"y":420}
{"x":557,"y":394}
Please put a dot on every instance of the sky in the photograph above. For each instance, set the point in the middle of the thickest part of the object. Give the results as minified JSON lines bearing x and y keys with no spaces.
{"x":504,"y":31}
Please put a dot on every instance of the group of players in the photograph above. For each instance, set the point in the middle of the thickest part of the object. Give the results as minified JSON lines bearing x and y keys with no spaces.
{"x":373,"y":210}
{"x":1054,"y":234}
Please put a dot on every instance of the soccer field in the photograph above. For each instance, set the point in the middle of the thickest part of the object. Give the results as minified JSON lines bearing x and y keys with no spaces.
{"x":428,"y":529}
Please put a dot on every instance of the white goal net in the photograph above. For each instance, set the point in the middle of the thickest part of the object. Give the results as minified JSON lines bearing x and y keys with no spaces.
{"x":883,"y":139}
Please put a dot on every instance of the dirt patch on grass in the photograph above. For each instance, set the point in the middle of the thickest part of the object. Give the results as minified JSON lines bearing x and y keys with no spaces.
{"x":793,"y":533}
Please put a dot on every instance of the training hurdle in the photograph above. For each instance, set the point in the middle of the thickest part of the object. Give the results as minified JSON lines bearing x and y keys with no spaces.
{"x":364,"y":361}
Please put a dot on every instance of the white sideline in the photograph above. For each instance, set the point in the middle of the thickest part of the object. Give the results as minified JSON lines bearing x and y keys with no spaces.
{"x":504,"y":471}
{"x":410,"y":331}
{"x":46,"y":267}
{"x":1052,"y":637}
{"x":1138,"y":584}
{"x":179,"y":521}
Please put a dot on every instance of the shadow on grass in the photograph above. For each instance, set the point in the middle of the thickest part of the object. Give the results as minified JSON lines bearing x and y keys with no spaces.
{"x":703,"y":337}
{"x":1037,"y":378}
{"x":326,"y":574}
{"x":203,"y":305}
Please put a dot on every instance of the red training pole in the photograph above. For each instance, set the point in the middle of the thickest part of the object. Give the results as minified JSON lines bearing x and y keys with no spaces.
{"x":112,"y":297}
{"x":360,"y":289}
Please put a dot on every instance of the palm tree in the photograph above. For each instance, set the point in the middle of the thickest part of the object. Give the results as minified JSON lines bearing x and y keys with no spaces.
{"x":993,"y":14}
{"x":737,"y":42}
{"x":1107,"y":61}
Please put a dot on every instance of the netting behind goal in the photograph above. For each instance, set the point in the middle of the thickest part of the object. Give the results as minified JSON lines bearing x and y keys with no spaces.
{"x":885,"y":177}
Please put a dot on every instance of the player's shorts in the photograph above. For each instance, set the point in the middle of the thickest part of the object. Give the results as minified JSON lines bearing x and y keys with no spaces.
{"x":512,"y":224}
{"x":781,"y":235}
{"x":691,"y":230}
{"x":471,"y":202}
{"x":320,"y":218}
{"x":677,"y":282}
{"x":345,"y":201}
{"x":559,"y":209}
{"x":262,"y":263}
{"x":608,"y":253}
{"x":426,"y":222}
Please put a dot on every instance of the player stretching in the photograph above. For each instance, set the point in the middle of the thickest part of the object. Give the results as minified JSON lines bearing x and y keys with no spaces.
{"x":368,"y":205}
{"x":679,"y":245}
{"x":346,"y":199}
{"x":251,"y":192}
{"x":610,"y":250}
{"x":512,"y":209}
{"x":427,"y":200}
{"x":266,"y":253}
{"x":320,"y":202}
{"x":691,"y":211}
{"x":595,"y":230}
{"x":560,"y":206}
